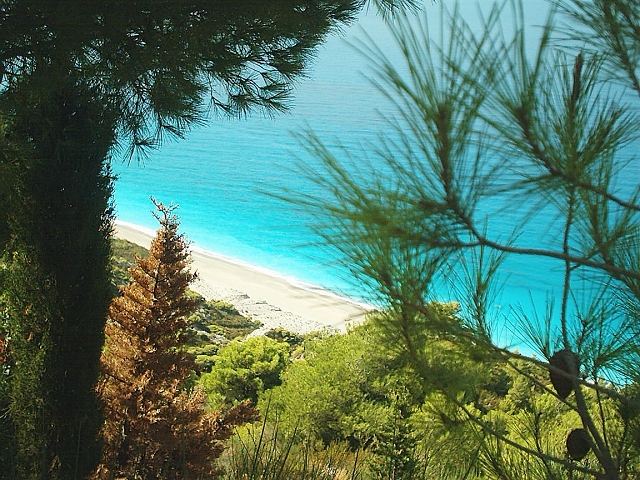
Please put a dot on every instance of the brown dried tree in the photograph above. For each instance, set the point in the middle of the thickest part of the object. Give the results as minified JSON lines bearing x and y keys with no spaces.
{"x":155,"y":426}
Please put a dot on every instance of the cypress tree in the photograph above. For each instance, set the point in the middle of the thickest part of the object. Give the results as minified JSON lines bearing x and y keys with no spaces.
{"x":155,"y":428}
{"x":57,"y":285}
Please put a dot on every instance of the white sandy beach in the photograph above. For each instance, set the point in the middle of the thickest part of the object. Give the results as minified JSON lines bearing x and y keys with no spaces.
{"x":272,"y":300}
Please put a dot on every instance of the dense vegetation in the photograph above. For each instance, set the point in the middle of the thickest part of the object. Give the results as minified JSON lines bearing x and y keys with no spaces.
{"x":79,"y":81}
{"x":362,"y":408}
{"x":420,"y":390}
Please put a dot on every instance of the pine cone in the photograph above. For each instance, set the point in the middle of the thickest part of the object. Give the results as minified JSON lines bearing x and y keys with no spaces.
{"x":578,"y":444}
{"x":568,"y":362}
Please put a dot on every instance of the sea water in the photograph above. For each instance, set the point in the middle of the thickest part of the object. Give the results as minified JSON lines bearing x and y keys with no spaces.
{"x":220,"y":174}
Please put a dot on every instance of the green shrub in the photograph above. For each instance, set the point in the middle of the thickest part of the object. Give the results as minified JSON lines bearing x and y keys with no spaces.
{"x":244,"y":369}
{"x":221,"y":318}
{"x":282,"y":335}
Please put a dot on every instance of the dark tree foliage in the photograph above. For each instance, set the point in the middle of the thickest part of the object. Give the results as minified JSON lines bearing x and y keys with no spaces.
{"x":8,"y":156}
{"x":57,"y":286}
{"x":76,"y":80}
{"x":154,"y":62}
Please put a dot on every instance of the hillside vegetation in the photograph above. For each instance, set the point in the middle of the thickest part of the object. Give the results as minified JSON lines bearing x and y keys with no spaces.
{"x":213,"y":323}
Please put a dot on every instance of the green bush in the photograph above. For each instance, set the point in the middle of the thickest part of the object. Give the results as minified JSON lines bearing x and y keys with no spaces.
{"x":349,"y":391}
{"x":282,"y":335}
{"x":221,"y":318}
{"x":244,"y":369}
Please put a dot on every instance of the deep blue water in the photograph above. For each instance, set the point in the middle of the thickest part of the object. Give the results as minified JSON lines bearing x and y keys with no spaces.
{"x":219,"y":174}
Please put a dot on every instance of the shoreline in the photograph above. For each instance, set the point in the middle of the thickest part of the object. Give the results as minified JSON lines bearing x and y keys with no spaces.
{"x":273,"y":299}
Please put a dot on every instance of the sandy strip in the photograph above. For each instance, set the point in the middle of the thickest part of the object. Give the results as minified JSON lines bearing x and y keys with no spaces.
{"x":264,"y":296}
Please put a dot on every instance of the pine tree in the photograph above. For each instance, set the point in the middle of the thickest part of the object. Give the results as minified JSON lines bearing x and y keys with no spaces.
{"x":484,"y":132}
{"x":155,"y":427}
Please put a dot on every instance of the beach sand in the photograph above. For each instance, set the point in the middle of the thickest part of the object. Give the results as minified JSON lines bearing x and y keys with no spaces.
{"x":264,"y":296}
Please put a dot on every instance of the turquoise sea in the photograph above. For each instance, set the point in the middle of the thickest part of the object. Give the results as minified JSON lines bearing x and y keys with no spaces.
{"x":219,"y":173}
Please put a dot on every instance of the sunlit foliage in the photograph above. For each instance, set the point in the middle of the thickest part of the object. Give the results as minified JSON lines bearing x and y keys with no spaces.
{"x":486,"y":127}
{"x":155,"y":427}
